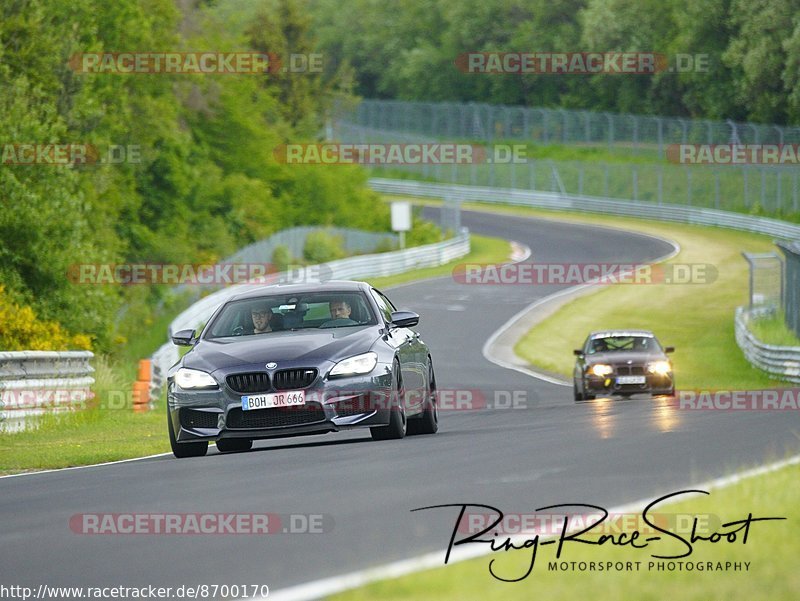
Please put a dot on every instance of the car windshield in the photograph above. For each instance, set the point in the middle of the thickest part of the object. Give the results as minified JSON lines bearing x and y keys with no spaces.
{"x":606,"y":344}
{"x":283,"y":312}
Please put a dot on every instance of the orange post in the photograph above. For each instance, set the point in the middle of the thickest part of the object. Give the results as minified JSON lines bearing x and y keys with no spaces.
{"x":144,"y":370}
{"x":141,"y":393}
{"x":141,"y":388}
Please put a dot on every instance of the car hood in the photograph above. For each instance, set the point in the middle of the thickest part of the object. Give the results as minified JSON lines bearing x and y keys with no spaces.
{"x":309,"y":348}
{"x":623,"y":357}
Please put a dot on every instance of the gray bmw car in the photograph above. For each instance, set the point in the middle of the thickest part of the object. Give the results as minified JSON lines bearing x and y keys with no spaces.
{"x":298,"y":359}
{"x":622,"y":363}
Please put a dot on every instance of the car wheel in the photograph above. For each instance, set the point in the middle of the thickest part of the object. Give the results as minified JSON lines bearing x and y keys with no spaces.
{"x":233,"y":445}
{"x":185,"y":449}
{"x":578,"y":396}
{"x":429,"y":422}
{"x":585,"y":396}
{"x":398,"y":424}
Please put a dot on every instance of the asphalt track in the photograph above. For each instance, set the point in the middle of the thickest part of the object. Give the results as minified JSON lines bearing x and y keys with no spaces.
{"x":549,"y":450}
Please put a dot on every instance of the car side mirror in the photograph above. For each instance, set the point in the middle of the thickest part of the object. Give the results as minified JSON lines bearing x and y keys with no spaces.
{"x":404,"y":319}
{"x":183,"y":338}
{"x":669,"y":349}
{"x":578,"y":352}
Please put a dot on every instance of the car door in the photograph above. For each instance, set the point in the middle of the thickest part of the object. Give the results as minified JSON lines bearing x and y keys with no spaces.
{"x":407,"y":343}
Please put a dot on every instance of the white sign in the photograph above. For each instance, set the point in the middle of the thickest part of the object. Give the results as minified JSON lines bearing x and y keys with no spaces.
{"x":401,"y":216}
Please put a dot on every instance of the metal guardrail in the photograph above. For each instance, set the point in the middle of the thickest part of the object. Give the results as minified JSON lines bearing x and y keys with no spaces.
{"x":590,"y":204}
{"x":363,"y":266}
{"x":32,"y":382}
{"x":782,"y":362}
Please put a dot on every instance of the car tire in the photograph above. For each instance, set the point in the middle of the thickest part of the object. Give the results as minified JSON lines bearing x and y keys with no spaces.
{"x":577,"y":395}
{"x":234,"y":445}
{"x":584,"y":396}
{"x":182,"y":450}
{"x":398,"y":424}
{"x":429,"y":422}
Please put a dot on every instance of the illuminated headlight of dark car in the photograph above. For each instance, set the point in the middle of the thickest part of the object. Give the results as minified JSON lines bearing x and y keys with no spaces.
{"x":662,"y":368}
{"x":600,"y":369}
{"x":353,"y":366}
{"x":194,"y":379}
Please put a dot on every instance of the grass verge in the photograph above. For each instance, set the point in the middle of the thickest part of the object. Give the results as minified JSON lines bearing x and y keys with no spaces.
{"x":769,"y":549}
{"x":696,"y":318}
{"x":772,"y":329}
{"x":482,"y":250}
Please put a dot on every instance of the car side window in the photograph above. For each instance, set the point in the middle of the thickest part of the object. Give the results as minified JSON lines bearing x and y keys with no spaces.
{"x":384,"y":305}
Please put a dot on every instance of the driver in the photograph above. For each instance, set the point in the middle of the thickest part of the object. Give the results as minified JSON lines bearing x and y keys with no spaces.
{"x":261,"y":315}
{"x":340,"y":309}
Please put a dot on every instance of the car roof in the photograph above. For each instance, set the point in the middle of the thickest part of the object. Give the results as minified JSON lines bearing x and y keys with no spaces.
{"x":329,"y":286}
{"x":621,"y":333}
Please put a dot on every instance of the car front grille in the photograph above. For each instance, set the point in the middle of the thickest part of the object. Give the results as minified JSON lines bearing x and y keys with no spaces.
{"x":192,"y":418}
{"x":292,"y":379}
{"x":277,"y":417}
{"x":247,"y":383}
{"x":630,"y":370}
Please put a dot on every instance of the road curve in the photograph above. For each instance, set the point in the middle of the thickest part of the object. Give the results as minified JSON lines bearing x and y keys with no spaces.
{"x":551,"y":450}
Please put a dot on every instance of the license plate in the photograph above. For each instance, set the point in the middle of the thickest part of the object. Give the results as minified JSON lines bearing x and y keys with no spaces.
{"x":290,"y":398}
{"x":630,"y":380}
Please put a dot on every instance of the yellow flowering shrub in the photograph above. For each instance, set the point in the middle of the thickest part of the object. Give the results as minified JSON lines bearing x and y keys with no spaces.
{"x":21,"y":330}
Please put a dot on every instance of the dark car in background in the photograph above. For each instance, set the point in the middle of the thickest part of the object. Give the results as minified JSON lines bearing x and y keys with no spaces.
{"x":623,"y":363}
{"x":334,"y":356}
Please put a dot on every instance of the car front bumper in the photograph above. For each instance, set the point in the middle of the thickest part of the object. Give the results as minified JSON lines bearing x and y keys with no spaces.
{"x":331,"y":405}
{"x":653,"y":384}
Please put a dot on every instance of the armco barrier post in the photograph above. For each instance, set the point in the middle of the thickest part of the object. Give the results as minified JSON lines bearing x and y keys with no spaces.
{"x":791,"y":284}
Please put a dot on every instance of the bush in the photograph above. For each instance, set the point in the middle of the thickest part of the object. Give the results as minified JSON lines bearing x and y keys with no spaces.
{"x":281,"y":258}
{"x":423,"y":232}
{"x":21,"y":330}
{"x":321,"y":247}
{"x":386,"y":245}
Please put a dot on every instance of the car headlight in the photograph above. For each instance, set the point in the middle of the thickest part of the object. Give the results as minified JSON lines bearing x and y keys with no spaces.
{"x":600,"y":369}
{"x":193,"y":378}
{"x":662,"y":368}
{"x":360,"y":364}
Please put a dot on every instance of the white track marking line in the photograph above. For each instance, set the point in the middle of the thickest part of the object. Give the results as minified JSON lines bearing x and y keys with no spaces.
{"x":337,"y":584}
{"x":83,"y":467}
{"x":573,"y":290}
